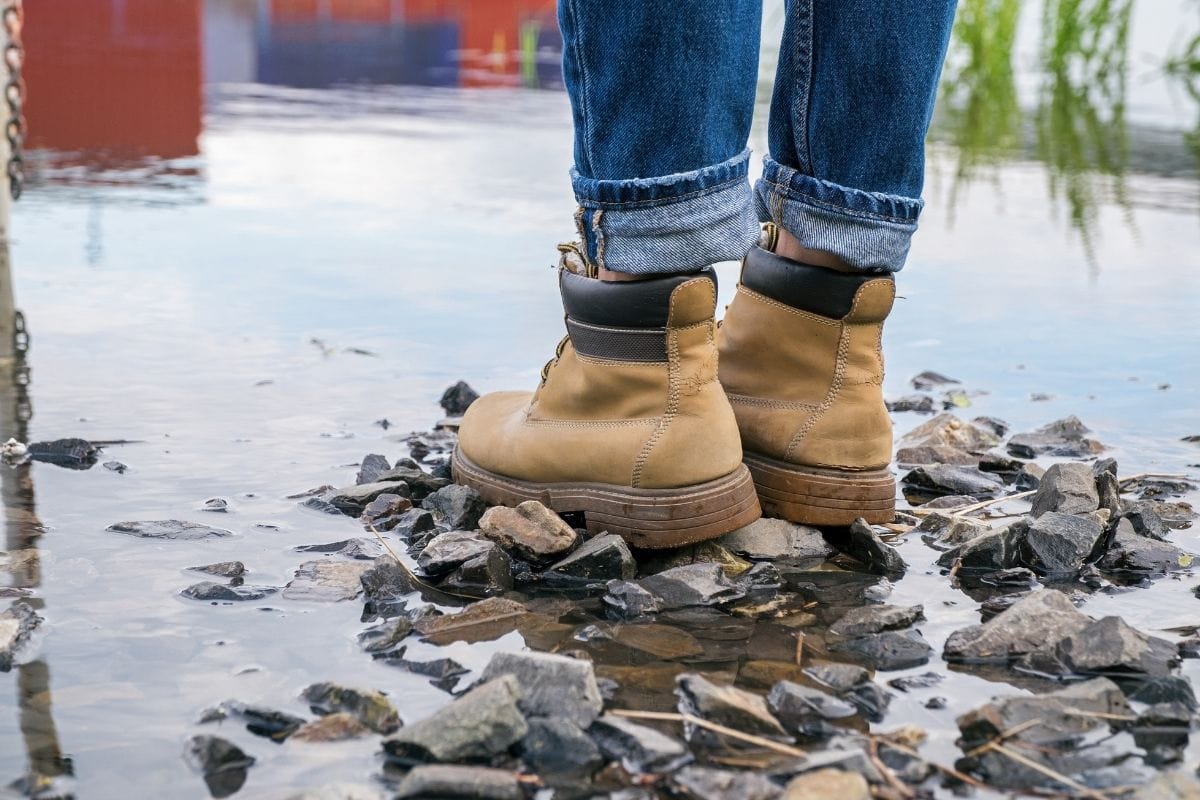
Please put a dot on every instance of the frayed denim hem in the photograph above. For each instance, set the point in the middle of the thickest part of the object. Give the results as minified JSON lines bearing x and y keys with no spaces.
{"x":868,"y":230}
{"x":708,"y":218}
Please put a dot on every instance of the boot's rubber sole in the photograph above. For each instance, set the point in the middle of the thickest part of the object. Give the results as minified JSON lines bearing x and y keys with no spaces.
{"x":822,"y":496}
{"x":649,"y":519}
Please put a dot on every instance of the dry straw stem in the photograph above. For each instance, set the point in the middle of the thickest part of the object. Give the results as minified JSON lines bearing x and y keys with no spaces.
{"x":888,"y":775}
{"x":425,"y":588}
{"x":670,"y":716}
{"x":962,"y":510}
{"x":1037,"y":766}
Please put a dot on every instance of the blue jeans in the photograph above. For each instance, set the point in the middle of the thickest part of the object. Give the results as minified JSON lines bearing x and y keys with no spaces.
{"x":662,"y":93}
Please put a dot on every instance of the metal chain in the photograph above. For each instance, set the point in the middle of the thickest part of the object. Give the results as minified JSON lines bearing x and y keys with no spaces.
{"x":14,"y":95}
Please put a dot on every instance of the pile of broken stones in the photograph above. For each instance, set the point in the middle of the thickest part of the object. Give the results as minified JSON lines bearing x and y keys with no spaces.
{"x":747,"y":667}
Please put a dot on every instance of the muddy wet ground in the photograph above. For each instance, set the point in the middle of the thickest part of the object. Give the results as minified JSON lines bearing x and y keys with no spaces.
{"x":248,"y":313}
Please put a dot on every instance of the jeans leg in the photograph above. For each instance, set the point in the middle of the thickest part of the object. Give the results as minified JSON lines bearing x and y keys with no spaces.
{"x":853,"y":96}
{"x":662,"y":95}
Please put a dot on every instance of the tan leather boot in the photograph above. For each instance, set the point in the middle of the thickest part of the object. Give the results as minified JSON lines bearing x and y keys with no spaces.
{"x":629,"y":424}
{"x":802,"y":364}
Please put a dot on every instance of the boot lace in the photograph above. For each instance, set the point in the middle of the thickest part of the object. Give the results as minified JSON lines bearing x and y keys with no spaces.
{"x":572,"y":258}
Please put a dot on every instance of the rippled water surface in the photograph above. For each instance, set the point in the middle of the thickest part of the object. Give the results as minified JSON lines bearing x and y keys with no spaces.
{"x":250,"y":236}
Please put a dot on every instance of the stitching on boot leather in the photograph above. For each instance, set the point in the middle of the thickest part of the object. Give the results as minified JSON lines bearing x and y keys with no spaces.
{"x":600,"y":423}
{"x":835,"y":388}
{"x":796,"y":311}
{"x":603,"y":362}
{"x":673,"y":367}
{"x":766,"y":402}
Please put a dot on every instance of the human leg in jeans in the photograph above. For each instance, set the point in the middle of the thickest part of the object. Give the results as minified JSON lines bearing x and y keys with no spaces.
{"x":629,"y":424}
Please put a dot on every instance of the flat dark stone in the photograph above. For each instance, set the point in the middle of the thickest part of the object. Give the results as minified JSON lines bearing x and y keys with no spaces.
{"x":218,"y":592}
{"x":169,"y":529}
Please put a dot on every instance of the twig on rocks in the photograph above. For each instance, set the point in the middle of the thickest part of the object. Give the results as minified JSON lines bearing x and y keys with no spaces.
{"x":412,"y":577}
{"x":1160,"y":475}
{"x":1006,"y":735}
{"x":959,"y":511}
{"x":888,"y":775}
{"x":950,"y":771}
{"x":670,"y":716}
{"x":1038,"y":766}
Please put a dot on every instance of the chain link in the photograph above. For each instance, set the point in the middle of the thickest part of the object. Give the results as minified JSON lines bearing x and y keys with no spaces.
{"x":14,"y":95}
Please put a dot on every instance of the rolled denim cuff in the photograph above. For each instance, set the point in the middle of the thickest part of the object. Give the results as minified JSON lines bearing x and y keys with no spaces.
{"x":868,"y":230}
{"x":674,"y":223}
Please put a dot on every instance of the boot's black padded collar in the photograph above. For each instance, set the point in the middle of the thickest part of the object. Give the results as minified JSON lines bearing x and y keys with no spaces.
{"x":625,"y":304}
{"x":803,"y":286}
{"x":645,"y":345}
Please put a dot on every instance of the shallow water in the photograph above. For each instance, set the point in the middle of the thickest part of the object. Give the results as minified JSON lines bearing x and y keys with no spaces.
{"x":203,"y":300}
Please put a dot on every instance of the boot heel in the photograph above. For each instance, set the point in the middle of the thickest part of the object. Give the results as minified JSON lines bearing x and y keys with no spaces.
{"x":818,"y":496}
{"x":648,"y":519}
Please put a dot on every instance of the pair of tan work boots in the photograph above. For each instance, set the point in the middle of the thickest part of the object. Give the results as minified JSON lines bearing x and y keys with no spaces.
{"x":633,"y":425}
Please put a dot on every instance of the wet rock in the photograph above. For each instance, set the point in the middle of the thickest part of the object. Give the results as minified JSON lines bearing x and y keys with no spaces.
{"x":369,"y":707}
{"x":457,"y":399}
{"x":386,"y":581}
{"x":947,"y":479}
{"x":1163,"y":727}
{"x":628,"y":600}
{"x":805,"y":711}
{"x":929,"y":379}
{"x":1051,"y":725}
{"x":1139,"y":556}
{"x":326,"y":581}
{"x":709,"y":552}
{"x":1007,"y":468}
{"x":448,"y":550}
{"x":918,"y":403}
{"x":17,"y":624}
{"x":1108,"y":646}
{"x":1145,"y":520}
{"x":867,"y":620}
{"x":174,"y":529}
{"x":386,"y":636}
{"x":331,"y":728}
{"x":950,"y":502}
{"x":116,"y":466}
{"x":220,"y":593}
{"x":420,"y":483}
{"x":934,"y":454}
{"x":1065,"y":438}
{"x":910,"y":682}
{"x":449,"y":781}
{"x":484,"y":575}
{"x":372,"y":466}
{"x":692,"y":585}
{"x":408,"y":524}
{"x":457,"y":507}
{"x":830,"y":783}
{"x":778,"y":540}
{"x":603,"y":557}
{"x":863,"y":544}
{"x":69,"y":453}
{"x":531,"y":531}
{"x":947,"y":430}
{"x":385,"y":506}
{"x":638,"y":748}
{"x":886,"y":651}
{"x":995,"y":550}
{"x":482,"y":723}
{"x":222,"y":569}
{"x":352,"y":500}
{"x":262,"y":721}
{"x":1166,"y":689}
{"x":943,"y":532}
{"x":222,"y":763}
{"x":854,"y":685}
{"x":444,"y":672}
{"x":554,"y":685}
{"x":1029,"y":478}
{"x":558,"y":747}
{"x":1057,"y":544}
{"x":726,"y":705}
{"x":217,"y":505}
{"x":708,"y":783}
{"x":487,"y":619}
{"x":322,"y":504}
{"x":361,"y":549}
{"x":1039,"y":617}
{"x":1068,"y":488}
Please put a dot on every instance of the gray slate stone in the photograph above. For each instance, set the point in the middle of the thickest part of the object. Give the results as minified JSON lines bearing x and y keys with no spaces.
{"x":726,"y":705}
{"x":557,"y":747}
{"x":638,"y":748}
{"x":1065,"y":438}
{"x":886,"y":651}
{"x":880,"y":558}
{"x":947,"y":430}
{"x":484,"y":575}
{"x":1041,"y":616}
{"x":352,"y":499}
{"x":770,"y":539}
{"x":174,"y":529}
{"x":866,"y":620}
{"x":385,"y":581}
{"x":370,"y":468}
{"x":1057,"y":544}
{"x":553,"y":685}
{"x":457,"y":507}
{"x":943,"y":532}
{"x":219,"y":592}
{"x":222,"y":763}
{"x":1104,"y":647}
{"x":954,"y":479}
{"x":448,"y":550}
{"x":1141,"y":556}
{"x":602,"y":557}
{"x":484,"y":722}
{"x":629,"y":600}
{"x":995,"y":550}
{"x":450,"y":781}
{"x":531,"y":531}
{"x":362,"y":549}
{"x":806,"y":711}
{"x":222,"y":569}
{"x":702,"y":584}
{"x":371,"y":708}
{"x":1068,"y":488}
{"x":326,"y":581}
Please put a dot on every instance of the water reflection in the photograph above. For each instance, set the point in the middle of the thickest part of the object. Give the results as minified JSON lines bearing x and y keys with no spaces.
{"x":22,"y":531}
